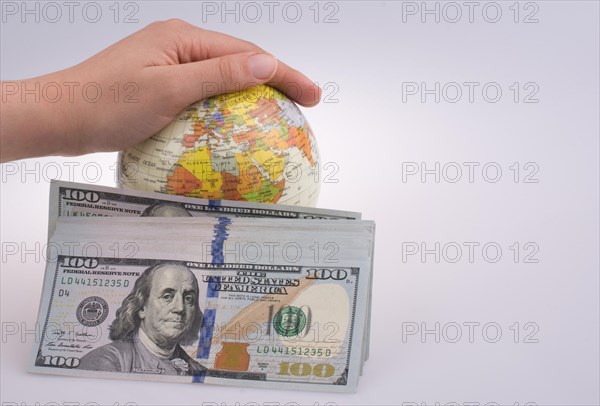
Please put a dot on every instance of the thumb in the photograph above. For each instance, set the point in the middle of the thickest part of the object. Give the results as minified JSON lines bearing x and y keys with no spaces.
{"x":198,"y":80}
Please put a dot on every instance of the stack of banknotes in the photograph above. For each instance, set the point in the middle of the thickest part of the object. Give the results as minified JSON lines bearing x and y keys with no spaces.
{"x":150,"y":286}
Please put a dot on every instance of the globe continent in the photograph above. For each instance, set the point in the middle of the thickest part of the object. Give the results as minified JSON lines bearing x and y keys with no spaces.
{"x":254,"y":145}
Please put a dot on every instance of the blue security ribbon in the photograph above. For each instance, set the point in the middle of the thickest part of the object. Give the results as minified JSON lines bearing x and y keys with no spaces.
{"x":219,"y":238}
{"x":208,"y":323}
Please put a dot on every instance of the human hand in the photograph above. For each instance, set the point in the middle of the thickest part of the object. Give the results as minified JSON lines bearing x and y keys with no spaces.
{"x":145,"y":81}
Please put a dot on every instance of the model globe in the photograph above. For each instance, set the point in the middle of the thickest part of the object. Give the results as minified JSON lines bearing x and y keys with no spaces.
{"x":254,"y":145}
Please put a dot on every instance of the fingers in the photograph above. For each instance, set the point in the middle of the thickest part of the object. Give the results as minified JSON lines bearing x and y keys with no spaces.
{"x":226,"y":59}
{"x":194,"y":81}
{"x":203,"y":44}
{"x":296,"y":86}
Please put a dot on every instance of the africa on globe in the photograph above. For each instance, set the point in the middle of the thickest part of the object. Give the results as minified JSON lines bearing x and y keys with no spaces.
{"x":253,"y":145}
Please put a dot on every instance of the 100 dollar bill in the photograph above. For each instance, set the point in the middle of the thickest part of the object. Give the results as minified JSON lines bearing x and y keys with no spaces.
{"x":281,"y":326}
{"x":69,"y":199}
{"x":76,"y":199}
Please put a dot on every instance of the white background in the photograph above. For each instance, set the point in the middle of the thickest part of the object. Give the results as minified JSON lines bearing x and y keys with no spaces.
{"x":373,"y":132}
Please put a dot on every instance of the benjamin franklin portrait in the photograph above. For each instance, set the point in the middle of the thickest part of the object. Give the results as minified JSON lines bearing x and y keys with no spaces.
{"x":160,"y":314}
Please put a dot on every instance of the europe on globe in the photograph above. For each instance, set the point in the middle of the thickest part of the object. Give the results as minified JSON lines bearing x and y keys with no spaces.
{"x":253,"y":145}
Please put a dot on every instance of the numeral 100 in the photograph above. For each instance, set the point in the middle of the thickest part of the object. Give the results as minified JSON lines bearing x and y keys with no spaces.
{"x":326,"y":273}
{"x":305,"y":369}
{"x":58,"y":361}
{"x":77,"y":262}
{"x":80,"y":195}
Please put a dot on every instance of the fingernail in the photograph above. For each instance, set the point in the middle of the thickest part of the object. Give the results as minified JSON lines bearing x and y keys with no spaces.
{"x":262,"y":66}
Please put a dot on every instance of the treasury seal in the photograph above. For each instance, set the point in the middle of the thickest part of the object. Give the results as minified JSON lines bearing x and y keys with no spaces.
{"x":289,"y":321}
{"x":92,"y":311}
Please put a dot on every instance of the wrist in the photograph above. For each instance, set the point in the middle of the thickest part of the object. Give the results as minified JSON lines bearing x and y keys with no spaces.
{"x":36,"y":118}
